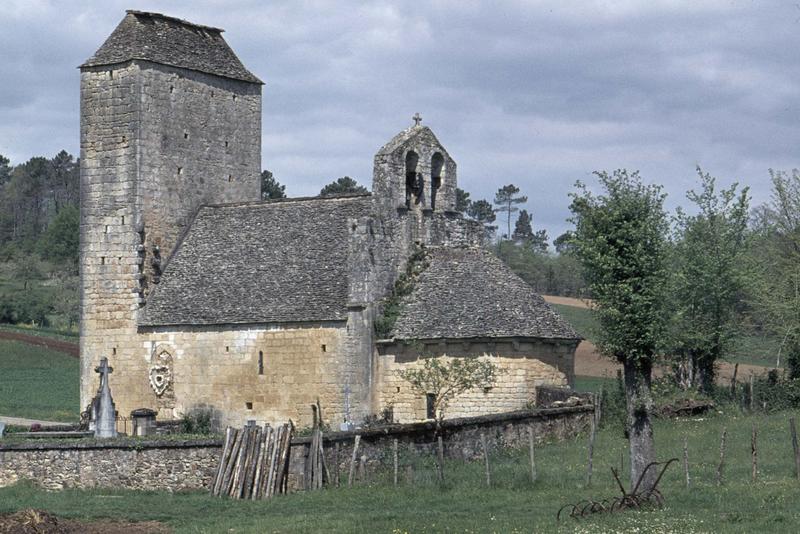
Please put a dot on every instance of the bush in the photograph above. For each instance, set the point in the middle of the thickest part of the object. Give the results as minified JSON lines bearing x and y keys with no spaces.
{"x":199,"y":420}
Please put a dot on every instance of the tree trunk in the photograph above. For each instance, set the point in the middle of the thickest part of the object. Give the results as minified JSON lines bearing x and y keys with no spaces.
{"x":704,"y":366}
{"x":639,"y":403}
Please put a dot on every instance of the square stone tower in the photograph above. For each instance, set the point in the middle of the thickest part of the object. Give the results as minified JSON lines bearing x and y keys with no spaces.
{"x":170,"y":120}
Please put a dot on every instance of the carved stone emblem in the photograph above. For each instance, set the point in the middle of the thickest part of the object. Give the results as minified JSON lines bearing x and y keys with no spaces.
{"x":160,"y":370}
{"x":160,"y":378}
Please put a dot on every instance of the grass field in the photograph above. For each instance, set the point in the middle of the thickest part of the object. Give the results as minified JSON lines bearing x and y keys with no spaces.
{"x":37,"y":383}
{"x":747,"y":348}
{"x":513,"y":504}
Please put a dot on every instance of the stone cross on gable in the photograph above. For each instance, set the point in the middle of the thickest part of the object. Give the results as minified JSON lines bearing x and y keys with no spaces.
{"x":417,"y":119}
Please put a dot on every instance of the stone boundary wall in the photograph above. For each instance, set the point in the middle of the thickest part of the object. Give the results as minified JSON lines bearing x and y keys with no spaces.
{"x":170,"y":465}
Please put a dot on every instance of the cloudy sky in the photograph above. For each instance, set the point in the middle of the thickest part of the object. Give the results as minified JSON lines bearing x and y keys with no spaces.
{"x":538,"y":94}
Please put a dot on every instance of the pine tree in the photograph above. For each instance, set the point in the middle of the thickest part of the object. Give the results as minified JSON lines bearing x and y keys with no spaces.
{"x":506,"y":198}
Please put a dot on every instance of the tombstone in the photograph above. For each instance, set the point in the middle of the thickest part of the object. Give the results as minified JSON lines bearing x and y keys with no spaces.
{"x":144,"y":422}
{"x":105,"y":425}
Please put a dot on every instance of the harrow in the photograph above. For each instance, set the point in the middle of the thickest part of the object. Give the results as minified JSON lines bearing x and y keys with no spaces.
{"x":635,"y":500}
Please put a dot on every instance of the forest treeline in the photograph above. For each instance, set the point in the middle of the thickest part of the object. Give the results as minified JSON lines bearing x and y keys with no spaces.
{"x":39,"y":222}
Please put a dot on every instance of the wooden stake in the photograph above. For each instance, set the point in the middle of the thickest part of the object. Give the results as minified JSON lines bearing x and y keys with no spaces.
{"x":793,"y":430}
{"x":592,"y":437}
{"x":533,"y":453}
{"x":395,"y":461}
{"x":222,"y":461}
{"x":721,"y":466}
{"x":486,"y":460}
{"x":733,"y":381}
{"x":336,"y":462}
{"x":752,"y":397}
{"x":686,"y":461}
{"x":754,"y":452}
{"x":440,"y":451}
{"x":353,"y":461}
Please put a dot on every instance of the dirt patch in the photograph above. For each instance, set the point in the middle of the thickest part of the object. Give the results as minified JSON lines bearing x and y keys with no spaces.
{"x":589,"y":362}
{"x":38,"y":522}
{"x":40,"y":341}
{"x":568,"y":301}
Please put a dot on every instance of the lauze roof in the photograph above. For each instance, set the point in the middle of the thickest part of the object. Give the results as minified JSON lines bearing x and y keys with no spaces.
{"x":279,"y":261}
{"x":470,"y":293}
{"x":170,"y":41}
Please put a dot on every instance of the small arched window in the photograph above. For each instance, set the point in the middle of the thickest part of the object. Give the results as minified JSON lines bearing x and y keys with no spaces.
{"x":437,"y":169}
{"x":413,"y":178}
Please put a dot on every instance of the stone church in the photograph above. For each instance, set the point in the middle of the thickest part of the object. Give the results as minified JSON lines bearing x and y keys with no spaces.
{"x":201,"y":295}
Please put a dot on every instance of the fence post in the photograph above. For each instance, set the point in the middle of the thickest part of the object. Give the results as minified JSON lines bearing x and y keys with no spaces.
{"x":795,"y":447}
{"x":353,"y":461}
{"x":486,"y":460}
{"x":754,"y":452}
{"x":686,"y":460}
{"x":395,"y":461}
{"x":721,"y":456}
{"x":592,"y":436}
{"x":533,"y":454}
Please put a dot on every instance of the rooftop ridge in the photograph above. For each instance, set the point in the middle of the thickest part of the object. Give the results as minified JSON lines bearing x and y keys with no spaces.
{"x":269,"y":201}
{"x":184,"y":22}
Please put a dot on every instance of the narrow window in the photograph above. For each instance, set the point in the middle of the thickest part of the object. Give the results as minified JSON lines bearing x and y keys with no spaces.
{"x":437,"y":164}
{"x":324,"y":348}
{"x":261,"y":362}
{"x":102,"y":260}
{"x":111,"y":74}
{"x":226,"y":144}
{"x":180,"y":170}
{"x":113,"y":351}
{"x":234,"y":98}
{"x":124,"y":138}
{"x":226,"y":349}
{"x":171,"y":88}
{"x":123,"y":219}
{"x":230,"y":177}
{"x":248,"y":405}
{"x":430,"y":406}
{"x":106,"y":229}
{"x":398,"y":389}
{"x":186,"y":135}
{"x":412,"y":180}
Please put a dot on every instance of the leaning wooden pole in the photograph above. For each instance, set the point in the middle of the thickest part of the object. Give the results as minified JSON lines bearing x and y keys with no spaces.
{"x":395,"y":461}
{"x":592,"y":437}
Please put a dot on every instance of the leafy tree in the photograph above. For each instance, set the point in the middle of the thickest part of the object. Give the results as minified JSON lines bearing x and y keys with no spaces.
{"x":523,"y":231}
{"x":776,"y":262}
{"x":506,"y":198}
{"x":445,"y":380}
{"x":59,"y":242}
{"x":483,"y":212}
{"x":549,"y":275}
{"x":708,"y":277}
{"x":270,"y":187}
{"x":620,"y":238}
{"x":5,"y":170}
{"x":462,"y":200}
{"x":343,"y":186}
{"x":524,"y":234}
{"x":563,"y":243}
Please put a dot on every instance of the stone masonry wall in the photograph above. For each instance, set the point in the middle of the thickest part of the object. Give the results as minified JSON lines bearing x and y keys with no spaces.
{"x":218,"y":368}
{"x":523,"y":367}
{"x":190,"y":465}
{"x":156,"y":143}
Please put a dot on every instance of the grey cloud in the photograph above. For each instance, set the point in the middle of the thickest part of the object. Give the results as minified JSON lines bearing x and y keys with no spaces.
{"x":534,"y":93}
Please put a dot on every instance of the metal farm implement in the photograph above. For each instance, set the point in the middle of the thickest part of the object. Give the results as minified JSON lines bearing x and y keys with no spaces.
{"x":634,"y":500}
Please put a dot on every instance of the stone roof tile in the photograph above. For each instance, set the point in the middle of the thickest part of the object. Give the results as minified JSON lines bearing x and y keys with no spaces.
{"x":170,"y":41}
{"x":469,"y":293}
{"x":263,"y":262}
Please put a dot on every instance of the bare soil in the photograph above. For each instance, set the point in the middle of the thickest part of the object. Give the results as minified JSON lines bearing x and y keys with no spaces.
{"x":38,"y":522}
{"x":41,"y":341}
{"x":568,"y":301}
